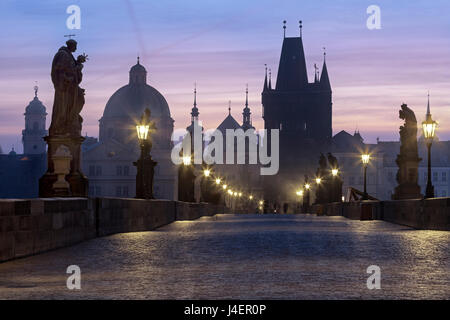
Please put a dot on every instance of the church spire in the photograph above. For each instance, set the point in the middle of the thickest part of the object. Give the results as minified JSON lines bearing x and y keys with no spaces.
{"x":194,"y":112}
{"x":246,"y":121}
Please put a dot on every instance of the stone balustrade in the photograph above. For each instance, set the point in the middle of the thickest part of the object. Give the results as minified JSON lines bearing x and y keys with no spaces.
{"x":33,"y":226}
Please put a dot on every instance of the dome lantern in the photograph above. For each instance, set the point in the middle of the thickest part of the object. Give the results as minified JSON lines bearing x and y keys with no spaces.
{"x":138,"y":74}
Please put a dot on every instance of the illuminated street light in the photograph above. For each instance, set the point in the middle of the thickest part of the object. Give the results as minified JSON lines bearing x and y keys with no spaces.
{"x":307,"y":186}
{"x":206,"y":172}
{"x":250,"y":197}
{"x":299,"y":193}
{"x":334,"y":172}
{"x":318,"y":180}
{"x":218,"y":180}
{"x":224,"y":187}
{"x":145,"y":165}
{"x":365,"y":160}
{"x":429,"y":128}
{"x":142,"y":132}
{"x":240,"y":194}
{"x":187,"y":160}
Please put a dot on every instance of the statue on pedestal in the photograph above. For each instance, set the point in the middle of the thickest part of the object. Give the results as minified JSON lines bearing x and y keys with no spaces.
{"x":65,"y":128}
{"x":408,"y":159}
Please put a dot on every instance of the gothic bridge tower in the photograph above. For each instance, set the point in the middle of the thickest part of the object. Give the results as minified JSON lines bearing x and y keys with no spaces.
{"x":302,"y":111}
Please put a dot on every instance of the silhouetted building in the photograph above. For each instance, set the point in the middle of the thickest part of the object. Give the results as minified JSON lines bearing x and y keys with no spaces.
{"x":302,"y":111}
{"x":19,"y":173}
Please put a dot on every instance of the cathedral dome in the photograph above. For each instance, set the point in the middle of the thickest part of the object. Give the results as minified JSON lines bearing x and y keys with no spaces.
{"x":132,"y":99}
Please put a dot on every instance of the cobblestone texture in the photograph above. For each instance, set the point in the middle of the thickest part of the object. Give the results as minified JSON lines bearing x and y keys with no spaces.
{"x":243,"y":257}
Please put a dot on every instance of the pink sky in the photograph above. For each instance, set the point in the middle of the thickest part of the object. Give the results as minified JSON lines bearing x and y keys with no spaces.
{"x":371,"y":72}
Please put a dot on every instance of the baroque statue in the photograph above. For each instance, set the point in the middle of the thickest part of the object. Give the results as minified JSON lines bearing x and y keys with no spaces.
{"x":65,"y":128}
{"x":408,"y":158}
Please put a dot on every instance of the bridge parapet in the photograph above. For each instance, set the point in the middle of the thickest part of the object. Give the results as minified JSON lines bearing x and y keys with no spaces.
{"x":428,"y":214}
{"x":37,"y":225}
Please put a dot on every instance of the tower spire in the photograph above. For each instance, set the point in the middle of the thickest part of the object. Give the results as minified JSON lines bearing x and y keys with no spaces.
{"x":194,"y":112}
{"x":246,"y":114}
{"x":246,"y":96}
{"x":284,"y":28}
{"x":265,"y":79}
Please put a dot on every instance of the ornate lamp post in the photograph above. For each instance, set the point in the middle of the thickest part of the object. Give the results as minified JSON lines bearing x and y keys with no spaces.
{"x":145,"y":165}
{"x":365,"y":160}
{"x":429,"y":127}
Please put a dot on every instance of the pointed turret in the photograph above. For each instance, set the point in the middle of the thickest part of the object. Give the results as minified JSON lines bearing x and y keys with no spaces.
{"x":265,"y":88}
{"x":292,"y":74}
{"x":324,"y":79}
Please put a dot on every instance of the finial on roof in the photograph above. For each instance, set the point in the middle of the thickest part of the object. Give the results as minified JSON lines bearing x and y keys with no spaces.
{"x":246,"y":95}
{"x":428,"y":105}
{"x":284,"y":28}
{"x":138,"y":59}
{"x":301,"y":27}
{"x":36,"y":89}
{"x":195,"y":94}
{"x":229,"y":107}
{"x":324,"y":53}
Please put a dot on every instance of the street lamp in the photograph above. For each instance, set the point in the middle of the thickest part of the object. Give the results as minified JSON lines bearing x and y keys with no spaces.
{"x":307,"y":186}
{"x":218,"y":181}
{"x":365,"y":160}
{"x":206,"y":172}
{"x":429,"y":127}
{"x":334,"y":172}
{"x":145,"y":164}
{"x":224,"y":187}
{"x":187,"y":160}
{"x":318,"y":180}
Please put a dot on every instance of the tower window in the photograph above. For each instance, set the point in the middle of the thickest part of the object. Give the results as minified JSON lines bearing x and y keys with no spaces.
{"x":119,"y":170}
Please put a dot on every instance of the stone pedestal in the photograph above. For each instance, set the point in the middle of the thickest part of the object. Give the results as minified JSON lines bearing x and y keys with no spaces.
{"x":78,"y":183}
{"x":407,"y":176}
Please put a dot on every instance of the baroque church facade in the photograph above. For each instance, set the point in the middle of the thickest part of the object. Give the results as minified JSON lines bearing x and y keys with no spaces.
{"x":108,"y":163}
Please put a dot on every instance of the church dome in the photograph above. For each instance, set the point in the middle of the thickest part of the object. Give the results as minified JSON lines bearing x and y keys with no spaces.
{"x":132,"y":99}
{"x":35,"y":107}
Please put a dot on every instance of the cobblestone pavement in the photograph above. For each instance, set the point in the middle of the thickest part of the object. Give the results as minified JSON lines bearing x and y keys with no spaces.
{"x":243,"y":257}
